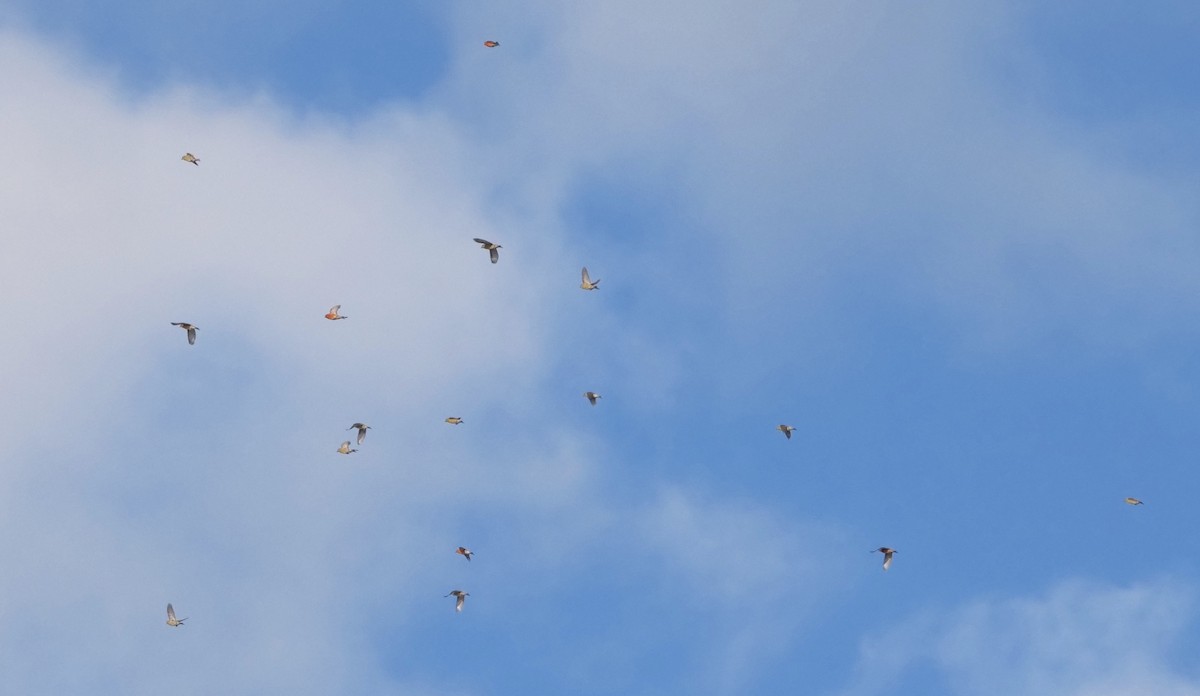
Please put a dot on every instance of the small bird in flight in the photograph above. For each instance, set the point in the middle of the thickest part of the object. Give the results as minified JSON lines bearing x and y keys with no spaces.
{"x":362,"y":430}
{"x":887,"y":555}
{"x":462,"y":597}
{"x":491,"y":248}
{"x":1134,"y":501}
{"x":786,"y":430}
{"x":333,"y":313}
{"x":587,"y":283}
{"x":491,"y":44}
{"x":454,"y":420}
{"x":189,"y":157}
{"x":591,"y":397}
{"x":345,"y":448}
{"x":191,"y":330}
{"x":465,"y":553}
{"x":171,"y":620}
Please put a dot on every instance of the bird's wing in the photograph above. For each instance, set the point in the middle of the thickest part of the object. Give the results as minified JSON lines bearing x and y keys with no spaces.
{"x":482,"y":241}
{"x":459,"y":603}
{"x":495,"y":254}
{"x":586,"y":279}
{"x":334,"y":309}
{"x":887,"y":560}
{"x":170,"y":612}
{"x":191,"y":335}
{"x":362,"y":432}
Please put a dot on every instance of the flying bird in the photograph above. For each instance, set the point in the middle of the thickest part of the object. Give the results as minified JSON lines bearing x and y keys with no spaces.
{"x":465,"y":553}
{"x":491,"y":44}
{"x":887,"y":555}
{"x":189,"y":157}
{"x":1134,"y":501}
{"x":171,"y":620}
{"x":786,"y":430}
{"x":491,"y":248}
{"x":591,"y":397}
{"x":345,"y":448}
{"x":333,"y":313}
{"x":462,"y":597}
{"x":587,"y":283}
{"x":454,"y":420}
{"x":191,"y":330}
{"x":362,"y":430}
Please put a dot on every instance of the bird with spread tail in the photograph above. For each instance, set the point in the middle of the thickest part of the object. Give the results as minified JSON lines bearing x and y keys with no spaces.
{"x":491,"y":44}
{"x":491,"y":248}
{"x":588,"y":283}
{"x":454,"y":420}
{"x":189,"y":157}
{"x":345,"y":448}
{"x":591,"y":397}
{"x":462,"y":597}
{"x":887,"y":555}
{"x":171,"y":620}
{"x":465,"y":552}
{"x":1134,"y":501}
{"x":786,"y":430}
{"x":362,"y":430}
{"x":191,"y":330}
{"x":333,"y":313}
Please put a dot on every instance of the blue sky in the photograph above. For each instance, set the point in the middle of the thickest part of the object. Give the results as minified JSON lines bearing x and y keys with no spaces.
{"x":954,"y":245}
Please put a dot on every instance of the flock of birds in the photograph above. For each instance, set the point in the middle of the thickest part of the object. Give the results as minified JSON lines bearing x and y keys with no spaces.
{"x":493,"y":249}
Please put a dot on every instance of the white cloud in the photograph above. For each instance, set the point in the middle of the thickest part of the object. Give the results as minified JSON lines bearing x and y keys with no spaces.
{"x":1080,"y":638}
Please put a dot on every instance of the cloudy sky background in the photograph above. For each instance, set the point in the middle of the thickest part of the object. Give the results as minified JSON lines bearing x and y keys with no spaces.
{"x":955,"y":245}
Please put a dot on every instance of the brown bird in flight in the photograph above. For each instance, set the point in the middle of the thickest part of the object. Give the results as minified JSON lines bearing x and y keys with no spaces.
{"x":591,"y":397}
{"x":171,"y":620}
{"x":887,"y":555}
{"x":1134,"y":501}
{"x":787,"y":430}
{"x":191,"y":330}
{"x":491,"y":44}
{"x":454,"y":420}
{"x":462,"y":597}
{"x":491,"y":248}
{"x":189,"y":157}
{"x":587,"y":283}
{"x":345,"y":448}
{"x":333,"y":313}
{"x":465,"y":553}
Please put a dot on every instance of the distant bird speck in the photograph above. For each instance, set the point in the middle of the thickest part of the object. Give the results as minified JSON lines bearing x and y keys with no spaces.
{"x":191,"y":331}
{"x":189,"y":157}
{"x":491,"y":248}
{"x":491,"y":44}
{"x":462,"y":597}
{"x":171,"y":620}
{"x":587,"y":283}
{"x":345,"y":448}
{"x":1134,"y":501}
{"x":333,"y":313}
{"x":454,"y":420}
{"x":362,"y":430}
{"x":465,"y":553}
{"x":591,"y":397}
{"x":787,"y":430}
{"x":887,"y":555}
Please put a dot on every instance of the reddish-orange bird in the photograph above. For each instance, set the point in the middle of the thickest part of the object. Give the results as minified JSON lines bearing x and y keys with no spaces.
{"x":491,"y":44}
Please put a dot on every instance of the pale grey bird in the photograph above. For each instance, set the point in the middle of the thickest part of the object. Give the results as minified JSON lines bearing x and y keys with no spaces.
{"x":333,"y":313}
{"x":171,"y":620}
{"x":1134,"y":501}
{"x":887,"y":555}
{"x":345,"y":448}
{"x":787,"y":430}
{"x":191,"y":330}
{"x":462,"y":597}
{"x":465,"y":553}
{"x":189,"y":157}
{"x":454,"y":420}
{"x":591,"y":397}
{"x":491,"y":248}
{"x":587,"y":283}
{"x":362,"y":430}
